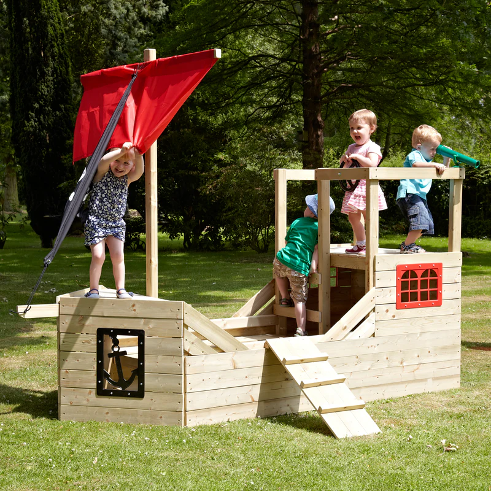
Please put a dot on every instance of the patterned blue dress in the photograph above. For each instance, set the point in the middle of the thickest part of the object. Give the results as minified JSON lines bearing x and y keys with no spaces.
{"x":107,"y":206}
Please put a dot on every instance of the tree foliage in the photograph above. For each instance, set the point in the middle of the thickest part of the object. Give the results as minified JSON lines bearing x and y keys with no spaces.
{"x":41,"y":108}
{"x":407,"y":60}
{"x":292,"y":72}
{"x":308,"y":65}
{"x":107,"y":33}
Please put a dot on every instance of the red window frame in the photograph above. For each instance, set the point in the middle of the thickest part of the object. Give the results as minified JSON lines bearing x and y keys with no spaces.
{"x":418,"y":285}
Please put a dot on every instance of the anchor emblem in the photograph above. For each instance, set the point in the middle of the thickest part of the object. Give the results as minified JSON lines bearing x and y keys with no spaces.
{"x":116,"y":354}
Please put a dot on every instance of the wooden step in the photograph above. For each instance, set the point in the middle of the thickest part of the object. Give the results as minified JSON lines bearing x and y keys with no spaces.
{"x":324,"y":388}
{"x":295,"y":350}
{"x":311,"y":383}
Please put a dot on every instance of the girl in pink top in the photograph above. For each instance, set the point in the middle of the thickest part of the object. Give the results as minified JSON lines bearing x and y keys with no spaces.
{"x":363,"y":124}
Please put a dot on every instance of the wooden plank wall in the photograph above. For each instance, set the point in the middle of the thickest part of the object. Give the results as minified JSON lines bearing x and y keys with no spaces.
{"x":413,"y":351}
{"x":162,"y":322}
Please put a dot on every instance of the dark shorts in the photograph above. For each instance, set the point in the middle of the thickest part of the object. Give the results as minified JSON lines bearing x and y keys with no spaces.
{"x":416,"y":211}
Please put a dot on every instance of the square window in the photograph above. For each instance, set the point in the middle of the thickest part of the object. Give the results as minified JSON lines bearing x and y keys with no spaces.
{"x":418,"y":285}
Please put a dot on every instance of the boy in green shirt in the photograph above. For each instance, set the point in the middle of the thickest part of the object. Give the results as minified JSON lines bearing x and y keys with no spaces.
{"x":299,"y":257}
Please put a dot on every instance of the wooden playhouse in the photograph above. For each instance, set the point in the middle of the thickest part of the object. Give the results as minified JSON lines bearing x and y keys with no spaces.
{"x":381,"y":325}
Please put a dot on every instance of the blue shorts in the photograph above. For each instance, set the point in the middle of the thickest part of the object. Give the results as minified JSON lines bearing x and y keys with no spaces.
{"x":416,"y":211}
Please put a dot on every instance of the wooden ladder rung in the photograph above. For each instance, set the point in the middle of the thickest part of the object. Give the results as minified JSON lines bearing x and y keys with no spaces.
{"x":340,"y":408}
{"x":302,"y":360}
{"x":311,"y":383}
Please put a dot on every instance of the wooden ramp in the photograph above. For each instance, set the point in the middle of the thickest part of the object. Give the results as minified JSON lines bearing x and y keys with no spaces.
{"x":324,"y":387}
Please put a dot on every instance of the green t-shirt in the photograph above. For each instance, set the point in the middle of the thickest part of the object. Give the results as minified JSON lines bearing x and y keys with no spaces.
{"x":301,"y":239}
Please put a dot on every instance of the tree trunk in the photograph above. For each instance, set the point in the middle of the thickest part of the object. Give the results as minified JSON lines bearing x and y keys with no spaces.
{"x":312,"y":154}
{"x":11,"y":197}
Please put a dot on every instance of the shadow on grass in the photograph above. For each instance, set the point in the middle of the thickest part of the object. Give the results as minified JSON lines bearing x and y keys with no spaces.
{"x":16,"y":342}
{"x":37,"y":404}
{"x":476,"y":345}
{"x":310,"y":422}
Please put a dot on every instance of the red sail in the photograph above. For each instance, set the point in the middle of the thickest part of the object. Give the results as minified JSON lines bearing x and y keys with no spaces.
{"x":160,"y":89}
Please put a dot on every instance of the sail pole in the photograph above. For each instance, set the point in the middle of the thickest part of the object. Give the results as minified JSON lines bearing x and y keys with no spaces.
{"x":151,"y":229}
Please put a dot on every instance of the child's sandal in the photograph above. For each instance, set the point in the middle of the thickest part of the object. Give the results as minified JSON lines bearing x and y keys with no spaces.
{"x":92,"y":294}
{"x":123,"y":294}
{"x":286,"y":302}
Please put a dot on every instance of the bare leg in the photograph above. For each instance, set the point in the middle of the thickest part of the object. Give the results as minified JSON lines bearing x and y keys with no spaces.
{"x":412,"y":237}
{"x":98,"y":256}
{"x":118,"y":259}
{"x":357,"y":225}
{"x":283,"y":286}
{"x":300,"y":310}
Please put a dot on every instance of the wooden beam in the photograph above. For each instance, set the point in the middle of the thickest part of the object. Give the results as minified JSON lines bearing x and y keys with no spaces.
{"x":393,"y":173}
{"x":245,"y":321}
{"x":194,"y":346}
{"x":202,"y":325}
{"x":257,"y":301}
{"x":151,"y":231}
{"x":324,"y":248}
{"x":39,"y":311}
{"x":351,"y":318}
{"x":280,"y":177}
{"x":289,"y":312}
{"x":372,"y":230}
{"x":455,"y":199}
{"x":300,"y":174}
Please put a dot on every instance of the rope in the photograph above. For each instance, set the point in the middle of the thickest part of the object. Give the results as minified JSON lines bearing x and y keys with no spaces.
{"x":73,"y":205}
{"x":28,"y":307}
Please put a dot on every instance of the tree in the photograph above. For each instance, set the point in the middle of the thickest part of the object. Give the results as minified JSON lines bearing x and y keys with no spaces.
{"x":41,"y":108}
{"x":407,"y":60}
{"x":105,"y":33}
{"x":8,"y":174}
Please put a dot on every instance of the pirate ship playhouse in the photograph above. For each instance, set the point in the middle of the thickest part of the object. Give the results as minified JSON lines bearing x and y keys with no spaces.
{"x":381,"y":325}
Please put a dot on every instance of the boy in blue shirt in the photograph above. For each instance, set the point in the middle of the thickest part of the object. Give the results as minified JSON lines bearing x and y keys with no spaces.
{"x":299,"y":257}
{"x":412,"y":193}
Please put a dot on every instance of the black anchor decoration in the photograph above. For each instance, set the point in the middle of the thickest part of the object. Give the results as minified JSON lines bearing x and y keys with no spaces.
{"x":122,"y":382}
{"x":119,"y":385}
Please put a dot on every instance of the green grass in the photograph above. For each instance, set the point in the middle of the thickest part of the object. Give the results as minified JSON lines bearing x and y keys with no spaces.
{"x":296,"y":452}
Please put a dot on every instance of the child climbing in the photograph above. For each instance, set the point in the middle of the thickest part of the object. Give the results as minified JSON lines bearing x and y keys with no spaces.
{"x":363,"y":124}
{"x":412,"y":193}
{"x":107,"y":206}
{"x":299,"y":257}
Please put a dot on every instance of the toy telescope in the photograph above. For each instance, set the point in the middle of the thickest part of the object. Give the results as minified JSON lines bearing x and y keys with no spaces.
{"x":457,"y":157}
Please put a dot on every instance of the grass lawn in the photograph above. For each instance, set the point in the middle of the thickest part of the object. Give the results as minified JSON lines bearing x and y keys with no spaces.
{"x":297,"y":452}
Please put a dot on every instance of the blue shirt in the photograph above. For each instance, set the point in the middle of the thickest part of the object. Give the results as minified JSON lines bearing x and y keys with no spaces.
{"x":418,"y":187}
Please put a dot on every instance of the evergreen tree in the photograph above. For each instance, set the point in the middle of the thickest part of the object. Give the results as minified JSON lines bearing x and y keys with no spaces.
{"x":41,"y":109}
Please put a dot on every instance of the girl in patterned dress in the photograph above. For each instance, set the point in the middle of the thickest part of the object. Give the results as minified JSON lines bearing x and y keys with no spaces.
{"x":107,"y":206}
{"x":363,"y":124}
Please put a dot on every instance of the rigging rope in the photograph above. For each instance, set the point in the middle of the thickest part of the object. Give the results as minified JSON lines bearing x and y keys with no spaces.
{"x":77,"y":197}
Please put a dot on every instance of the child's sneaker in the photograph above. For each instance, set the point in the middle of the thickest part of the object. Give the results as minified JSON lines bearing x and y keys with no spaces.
{"x":356,"y":250}
{"x":92,"y":294}
{"x":123,"y":294}
{"x":410,"y":249}
{"x":300,"y":333}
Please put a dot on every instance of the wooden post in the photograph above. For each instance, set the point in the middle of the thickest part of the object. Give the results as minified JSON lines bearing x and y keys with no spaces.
{"x":324,"y":263}
{"x":280,"y":176}
{"x":454,"y":232}
{"x":372,"y":229}
{"x":151,"y":242}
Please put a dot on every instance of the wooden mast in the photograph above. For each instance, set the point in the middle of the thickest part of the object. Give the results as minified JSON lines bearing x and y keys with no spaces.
{"x":151,"y":241}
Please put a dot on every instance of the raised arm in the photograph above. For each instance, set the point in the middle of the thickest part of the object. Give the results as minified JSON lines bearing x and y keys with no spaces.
{"x":107,"y":159}
{"x":138,"y":169}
